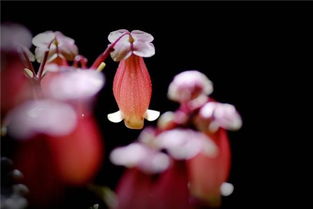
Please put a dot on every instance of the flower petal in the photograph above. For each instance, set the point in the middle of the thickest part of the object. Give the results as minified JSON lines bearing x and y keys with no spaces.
{"x":75,"y":85}
{"x":139,"y":35}
{"x":116,"y":34}
{"x":152,"y":115}
{"x":122,"y":49}
{"x":43,"y":39}
{"x":115,"y":117}
{"x":186,"y":143}
{"x":143,"y":49}
{"x":42,"y":116}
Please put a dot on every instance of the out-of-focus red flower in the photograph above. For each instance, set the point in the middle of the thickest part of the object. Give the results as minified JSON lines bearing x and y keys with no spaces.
{"x":14,"y":85}
{"x":207,"y":173}
{"x":57,"y":147}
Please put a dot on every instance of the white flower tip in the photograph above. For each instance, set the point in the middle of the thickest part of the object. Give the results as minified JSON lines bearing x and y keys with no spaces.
{"x":152,"y":115}
{"x":115,"y":117}
{"x":226,"y":189}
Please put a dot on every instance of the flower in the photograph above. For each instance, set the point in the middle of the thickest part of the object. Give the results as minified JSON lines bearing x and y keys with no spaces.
{"x":215,"y":115}
{"x":59,"y":46}
{"x":189,"y":85}
{"x":132,"y":85}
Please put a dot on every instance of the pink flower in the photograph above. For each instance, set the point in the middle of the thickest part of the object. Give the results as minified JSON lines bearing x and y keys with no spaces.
{"x":207,"y":174}
{"x":188,"y":86}
{"x":132,"y":85}
{"x":215,"y":115}
{"x":61,"y":48}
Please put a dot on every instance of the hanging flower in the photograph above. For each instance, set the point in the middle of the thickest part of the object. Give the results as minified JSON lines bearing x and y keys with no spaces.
{"x":153,"y":179}
{"x":132,"y":85}
{"x":61,"y":48}
{"x":52,"y":136}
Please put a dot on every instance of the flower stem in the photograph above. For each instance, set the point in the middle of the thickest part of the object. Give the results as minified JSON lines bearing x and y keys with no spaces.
{"x":102,"y":57}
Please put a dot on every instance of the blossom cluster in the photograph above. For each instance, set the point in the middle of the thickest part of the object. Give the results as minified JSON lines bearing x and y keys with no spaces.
{"x":47,"y":102}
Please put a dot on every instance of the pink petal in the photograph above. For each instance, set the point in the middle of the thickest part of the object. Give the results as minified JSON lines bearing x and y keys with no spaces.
{"x":185,"y":143}
{"x":75,"y":85}
{"x":116,"y":34}
{"x":43,"y":39}
{"x":41,"y":116}
{"x":143,"y":49}
{"x":132,"y":90}
{"x":13,"y":36}
{"x":139,"y":35}
{"x":122,"y":49}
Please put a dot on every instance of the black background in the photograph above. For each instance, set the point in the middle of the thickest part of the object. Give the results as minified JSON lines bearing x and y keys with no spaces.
{"x":253,"y":52}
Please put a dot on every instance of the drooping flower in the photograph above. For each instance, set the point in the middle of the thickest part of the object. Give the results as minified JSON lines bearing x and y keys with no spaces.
{"x":153,"y":179}
{"x":14,"y":85}
{"x":132,"y":84}
{"x":61,"y":47}
{"x":207,"y":173}
{"x":52,"y":136}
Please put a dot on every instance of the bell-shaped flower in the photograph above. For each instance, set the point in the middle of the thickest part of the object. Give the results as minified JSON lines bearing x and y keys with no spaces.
{"x":61,"y":47}
{"x":151,"y":180}
{"x":15,"y":87}
{"x":207,"y":174}
{"x":60,"y":151}
{"x":132,"y":84}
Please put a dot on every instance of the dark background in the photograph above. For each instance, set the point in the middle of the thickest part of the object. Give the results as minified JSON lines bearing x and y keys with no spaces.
{"x":253,"y":52}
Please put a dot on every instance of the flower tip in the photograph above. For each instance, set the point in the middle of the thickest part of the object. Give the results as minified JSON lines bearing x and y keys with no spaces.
{"x":152,"y":115}
{"x":115,"y":117}
{"x":134,"y":123}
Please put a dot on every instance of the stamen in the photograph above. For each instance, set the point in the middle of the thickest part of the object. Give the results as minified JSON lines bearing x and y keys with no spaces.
{"x":101,"y":67}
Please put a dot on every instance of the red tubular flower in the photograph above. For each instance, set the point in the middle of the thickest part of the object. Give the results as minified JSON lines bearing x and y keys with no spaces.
{"x":59,"y":148}
{"x":207,"y":173}
{"x":132,"y":90}
{"x":132,"y":85}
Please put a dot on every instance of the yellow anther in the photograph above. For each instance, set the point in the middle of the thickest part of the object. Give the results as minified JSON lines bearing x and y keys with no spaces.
{"x":101,"y":66}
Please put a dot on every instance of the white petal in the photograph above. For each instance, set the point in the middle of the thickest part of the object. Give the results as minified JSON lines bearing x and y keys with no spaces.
{"x":116,"y":34}
{"x":143,"y":49}
{"x":43,"y":39}
{"x":115,"y":117}
{"x":122,"y":49}
{"x":152,"y":115}
{"x":141,"y":36}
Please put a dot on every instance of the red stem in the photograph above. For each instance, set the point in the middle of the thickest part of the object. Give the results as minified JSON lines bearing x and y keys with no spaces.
{"x":102,"y":57}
